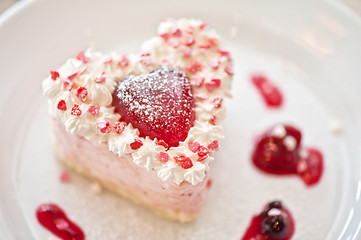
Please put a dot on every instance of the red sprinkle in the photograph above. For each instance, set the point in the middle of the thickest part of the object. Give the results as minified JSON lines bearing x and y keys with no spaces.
{"x":62,"y":105}
{"x":217,"y":101}
{"x":177,"y":33}
{"x":64,"y":176}
{"x":163,"y":143}
{"x":81,"y":56}
{"x":108,"y":59}
{"x":69,"y":85}
{"x":224,"y":53}
{"x":214,"y":63}
{"x":145,"y":59}
{"x":213,"y":41}
{"x":82,"y":94}
{"x":124,"y":61}
{"x":204,"y":46}
{"x":136,"y":144}
{"x":213,"y":120}
{"x":72,"y":76}
{"x":194,"y":146}
{"x":119,"y":127}
{"x":213,"y":84}
{"x":104,"y":126}
{"x":189,"y":40}
{"x":101,"y":78}
{"x":173,"y":42}
{"x":187,"y":163}
{"x":201,"y":96}
{"x":83,"y":70}
{"x":165,"y":36}
{"x":75,"y":110}
{"x":94,"y":110}
{"x":203,"y":25}
{"x":202,"y":151}
{"x":209,"y":183}
{"x":229,"y":69}
{"x":164,"y":157}
{"x":213,"y":146}
{"x":54,"y":75}
{"x":198,"y":81}
{"x":194,"y":67}
{"x":200,"y":159}
{"x":186,"y":51}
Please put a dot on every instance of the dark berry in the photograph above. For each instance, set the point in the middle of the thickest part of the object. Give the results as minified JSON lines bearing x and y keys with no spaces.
{"x":275,"y":227}
{"x":275,"y":204}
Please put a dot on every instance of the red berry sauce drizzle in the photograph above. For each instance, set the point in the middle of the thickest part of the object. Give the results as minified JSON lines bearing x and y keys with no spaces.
{"x":160,"y":104}
{"x":279,"y":151}
{"x":270,"y":93}
{"x":55,"y":220}
{"x":273,"y":223}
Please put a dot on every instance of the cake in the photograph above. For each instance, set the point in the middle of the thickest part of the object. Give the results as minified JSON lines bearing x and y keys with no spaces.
{"x":145,"y":125}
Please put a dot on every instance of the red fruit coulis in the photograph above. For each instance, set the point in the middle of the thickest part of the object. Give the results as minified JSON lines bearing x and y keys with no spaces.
{"x":53,"y":218}
{"x":270,"y":93}
{"x":159,"y":104}
{"x":275,"y":222}
{"x":279,"y":151}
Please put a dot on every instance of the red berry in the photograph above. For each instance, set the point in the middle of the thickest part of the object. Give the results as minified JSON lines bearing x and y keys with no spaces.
{"x":136,"y":144}
{"x":160,"y":104}
{"x":62,"y":105}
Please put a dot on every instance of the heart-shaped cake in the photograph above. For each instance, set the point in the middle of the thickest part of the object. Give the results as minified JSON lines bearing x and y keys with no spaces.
{"x":145,"y":125}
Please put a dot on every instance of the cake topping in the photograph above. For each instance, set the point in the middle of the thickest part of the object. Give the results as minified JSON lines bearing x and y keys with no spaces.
{"x":62,"y":105}
{"x":76,"y":110}
{"x":275,"y":222}
{"x":54,"y":75}
{"x":160,"y":104}
{"x":279,"y":151}
{"x":101,"y":73}
{"x":94,"y":110}
{"x":82,"y":94}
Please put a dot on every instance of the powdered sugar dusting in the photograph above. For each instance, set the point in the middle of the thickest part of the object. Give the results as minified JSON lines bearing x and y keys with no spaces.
{"x":160,"y":104}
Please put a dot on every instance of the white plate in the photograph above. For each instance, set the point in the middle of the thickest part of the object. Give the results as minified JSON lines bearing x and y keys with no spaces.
{"x":311,"y":49}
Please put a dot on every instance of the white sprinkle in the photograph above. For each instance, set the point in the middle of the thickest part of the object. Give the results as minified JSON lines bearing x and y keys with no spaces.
{"x":290,"y":143}
{"x":279,"y":131}
{"x":301,"y":166}
{"x":335,"y":127}
{"x":96,"y":188}
{"x":304,"y":153}
{"x":274,"y":212}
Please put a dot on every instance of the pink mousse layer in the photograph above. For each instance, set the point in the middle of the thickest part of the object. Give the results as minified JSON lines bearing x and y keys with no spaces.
{"x":119,"y":174}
